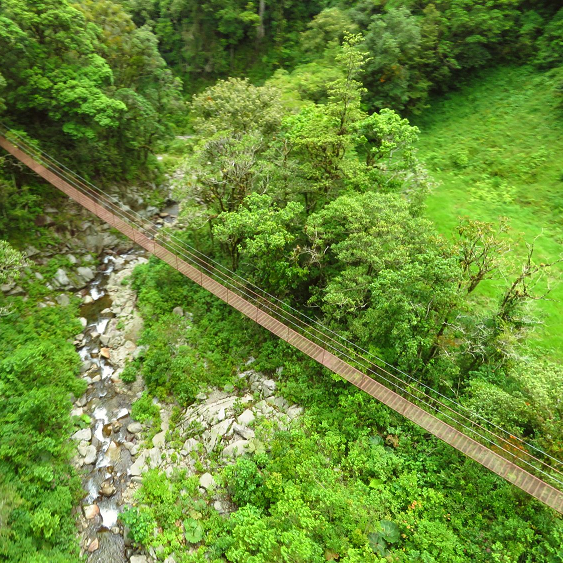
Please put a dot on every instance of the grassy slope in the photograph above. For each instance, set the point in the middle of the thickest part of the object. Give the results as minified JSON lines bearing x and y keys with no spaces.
{"x":496,"y":149}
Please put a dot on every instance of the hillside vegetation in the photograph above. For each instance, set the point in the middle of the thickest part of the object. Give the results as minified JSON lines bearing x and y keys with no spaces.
{"x":297,"y":164}
{"x":494,"y":149}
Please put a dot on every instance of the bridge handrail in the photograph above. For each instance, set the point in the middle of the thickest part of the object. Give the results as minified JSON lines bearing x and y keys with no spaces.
{"x":433,"y":404}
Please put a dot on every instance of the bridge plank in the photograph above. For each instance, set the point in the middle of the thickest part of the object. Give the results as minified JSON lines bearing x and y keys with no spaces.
{"x":503,"y":467}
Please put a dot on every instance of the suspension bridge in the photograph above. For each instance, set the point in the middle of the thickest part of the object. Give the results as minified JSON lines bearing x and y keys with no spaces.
{"x":520,"y":463}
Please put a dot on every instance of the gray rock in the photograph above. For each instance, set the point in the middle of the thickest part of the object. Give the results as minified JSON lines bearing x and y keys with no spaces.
{"x":133,"y":329}
{"x":134,"y":427}
{"x":211,"y":437}
{"x":159,"y":440}
{"x":278,"y":402}
{"x":294,"y":411}
{"x":243,"y":431}
{"x":139,"y":559}
{"x":39,"y":276}
{"x":83,"y":322}
{"x":31,"y":251}
{"x":72,"y":259}
{"x":61,"y":278}
{"x":95,"y":243}
{"x":178,"y":311}
{"x":207,"y":481}
{"x":189,"y":445}
{"x":218,"y":506}
{"x":84,"y":434}
{"x":82,"y":401}
{"x":63,"y":300}
{"x":149,"y":459}
{"x":237,"y":448}
{"x":268,"y":387}
{"x":246,"y":418}
{"x":201,"y":396}
{"x":83,"y":448}
{"x":90,"y":456}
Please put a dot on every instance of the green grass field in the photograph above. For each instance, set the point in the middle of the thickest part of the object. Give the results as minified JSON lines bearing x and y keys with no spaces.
{"x":495,"y":148}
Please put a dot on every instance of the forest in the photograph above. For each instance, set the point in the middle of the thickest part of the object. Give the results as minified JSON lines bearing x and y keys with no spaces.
{"x":390,"y":168}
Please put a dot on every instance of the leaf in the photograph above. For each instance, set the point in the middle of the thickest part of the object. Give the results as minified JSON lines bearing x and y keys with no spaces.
{"x":378,"y":544}
{"x":331,"y":555}
{"x":390,"y":531}
{"x":376,"y":440}
{"x":193,"y":530}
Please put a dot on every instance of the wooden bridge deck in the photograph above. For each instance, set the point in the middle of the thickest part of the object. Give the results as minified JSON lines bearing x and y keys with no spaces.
{"x":109,"y":213}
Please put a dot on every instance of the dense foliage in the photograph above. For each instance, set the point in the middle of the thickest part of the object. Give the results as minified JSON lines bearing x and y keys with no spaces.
{"x":85,"y":80}
{"x":351,"y":481}
{"x":302,"y":175}
{"x":38,"y":486}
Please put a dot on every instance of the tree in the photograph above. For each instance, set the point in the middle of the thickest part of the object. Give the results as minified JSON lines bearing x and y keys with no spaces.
{"x":481,"y":249}
{"x":386,"y":278}
{"x":83,"y":79}
{"x":262,"y":236}
{"x":235,"y":105}
{"x":236,"y":123}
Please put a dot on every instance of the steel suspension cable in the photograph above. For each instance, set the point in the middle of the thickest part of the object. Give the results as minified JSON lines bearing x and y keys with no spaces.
{"x":276,"y":309}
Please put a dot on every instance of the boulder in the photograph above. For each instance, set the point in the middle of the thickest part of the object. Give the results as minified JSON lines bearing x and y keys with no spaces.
{"x":211,"y":437}
{"x":94,"y":545}
{"x":134,"y":427}
{"x":86,"y":273}
{"x":91,"y":455}
{"x":149,"y":459}
{"x":294,"y":411}
{"x":63,"y":300}
{"x":91,"y":511}
{"x":61,"y":278}
{"x":246,"y":418}
{"x":84,"y":434}
{"x":159,"y":440}
{"x":239,"y":447}
{"x":107,"y":489}
{"x":133,"y":328}
{"x":189,"y":445}
{"x":104,"y":352}
{"x":219,"y":507}
{"x":207,"y":481}
{"x":243,"y":431}
{"x":178,"y":311}
{"x":83,"y":448}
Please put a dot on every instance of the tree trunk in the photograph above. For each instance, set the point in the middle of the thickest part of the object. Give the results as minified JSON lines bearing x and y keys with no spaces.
{"x":260,"y":31}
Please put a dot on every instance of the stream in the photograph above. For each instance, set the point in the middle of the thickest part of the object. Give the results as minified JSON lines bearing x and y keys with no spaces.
{"x":107,"y":447}
{"x":106,"y":478}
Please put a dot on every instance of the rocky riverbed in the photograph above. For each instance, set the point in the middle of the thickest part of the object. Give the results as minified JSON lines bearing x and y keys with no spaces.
{"x":112,"y":450}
